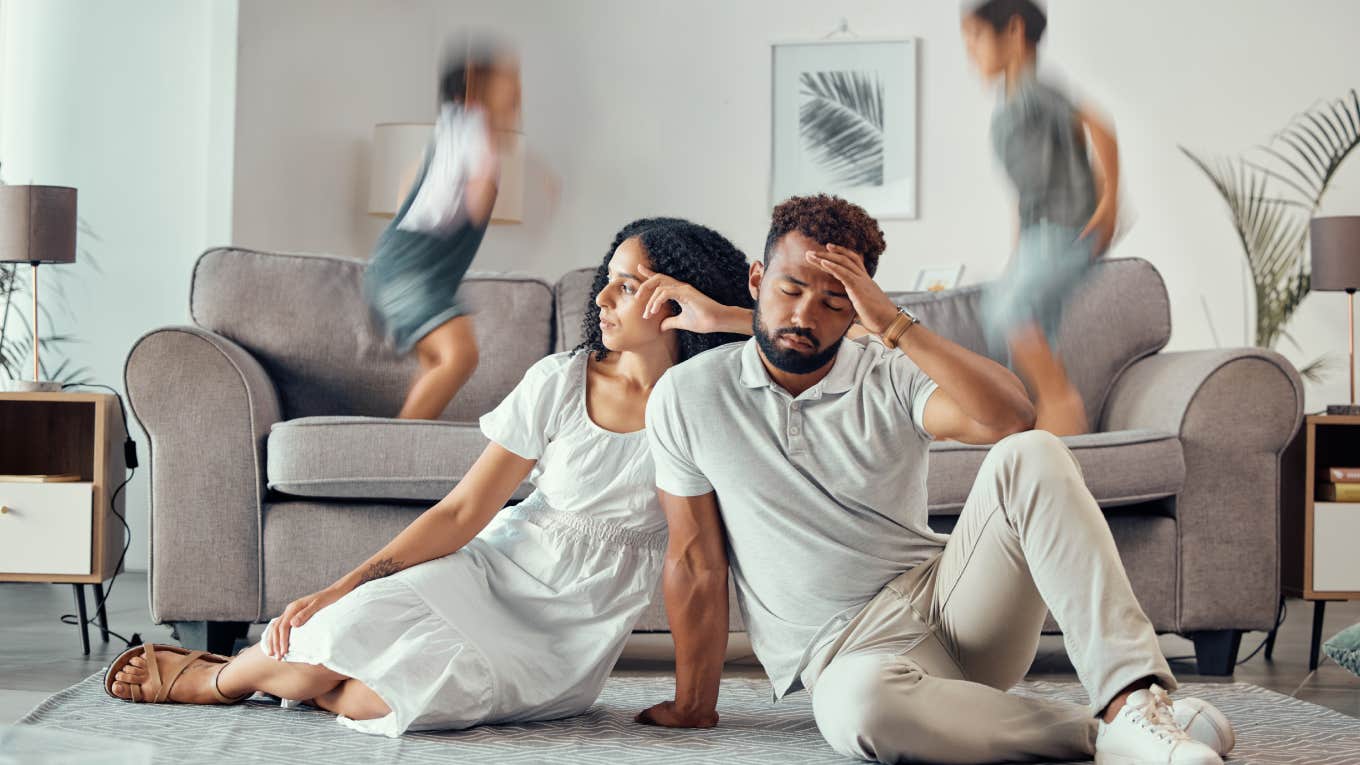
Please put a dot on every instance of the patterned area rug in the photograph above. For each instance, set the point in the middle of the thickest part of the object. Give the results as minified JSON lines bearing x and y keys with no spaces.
{"x":1271,"y":728}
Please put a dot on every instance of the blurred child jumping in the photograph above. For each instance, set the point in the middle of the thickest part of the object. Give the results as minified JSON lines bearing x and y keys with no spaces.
{"x":412,"y":280}
{"x":1067,"y":210}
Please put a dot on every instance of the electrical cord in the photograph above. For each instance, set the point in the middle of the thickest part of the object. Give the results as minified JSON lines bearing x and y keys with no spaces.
{"x":1280,"y":614}
{"x":130,"y":459}
{"x":1284,"y":609}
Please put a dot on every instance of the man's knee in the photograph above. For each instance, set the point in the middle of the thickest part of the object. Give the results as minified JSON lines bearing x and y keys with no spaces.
{"x":1036,"y":453}
{"x":1031,"y":442}
{"x":867,"y":706}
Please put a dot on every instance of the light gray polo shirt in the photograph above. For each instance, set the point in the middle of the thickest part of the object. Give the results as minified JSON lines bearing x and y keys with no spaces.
{"x":823,"y":495}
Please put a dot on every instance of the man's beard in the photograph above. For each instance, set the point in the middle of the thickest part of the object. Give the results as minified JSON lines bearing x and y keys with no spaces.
{"x":789,"y":360}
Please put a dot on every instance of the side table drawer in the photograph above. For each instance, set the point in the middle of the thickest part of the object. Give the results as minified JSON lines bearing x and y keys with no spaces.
{"x":46,"y":528}
{"x":1336,"y":530}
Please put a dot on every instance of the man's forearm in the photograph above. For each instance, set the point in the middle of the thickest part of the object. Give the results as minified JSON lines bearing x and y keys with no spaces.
{"x":986,"y":391}
{"x":696,"y":606}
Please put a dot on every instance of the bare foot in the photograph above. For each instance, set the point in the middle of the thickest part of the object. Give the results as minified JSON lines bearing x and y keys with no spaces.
{"x":194,"y":685}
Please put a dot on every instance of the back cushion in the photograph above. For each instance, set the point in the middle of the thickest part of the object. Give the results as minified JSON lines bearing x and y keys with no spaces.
{"x":1121,"y":315}
{"x":573,"y":294}
{"x":303,"y":317}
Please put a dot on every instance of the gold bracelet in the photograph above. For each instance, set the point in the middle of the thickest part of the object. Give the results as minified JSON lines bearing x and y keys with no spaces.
{"x":895,"y":329}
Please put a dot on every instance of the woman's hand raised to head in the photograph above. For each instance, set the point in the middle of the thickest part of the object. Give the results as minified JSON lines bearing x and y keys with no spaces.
{"x":698,"y":312}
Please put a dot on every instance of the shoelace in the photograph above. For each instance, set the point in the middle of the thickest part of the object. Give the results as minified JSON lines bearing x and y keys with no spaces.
{"x":1156,"y":715}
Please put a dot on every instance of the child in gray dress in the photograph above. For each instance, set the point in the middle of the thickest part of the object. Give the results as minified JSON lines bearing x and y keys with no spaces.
{"x":412,"y":280}
{"x":1067,"y":210}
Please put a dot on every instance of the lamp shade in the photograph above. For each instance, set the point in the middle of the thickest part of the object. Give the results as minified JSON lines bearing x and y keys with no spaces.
{"x":37,"y":224}
{"x":1336,"y":253}
{"x":399,"y":147}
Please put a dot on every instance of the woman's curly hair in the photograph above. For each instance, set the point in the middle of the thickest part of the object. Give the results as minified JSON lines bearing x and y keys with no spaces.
{"x":689,"y":252}
{"x":827,"y":220}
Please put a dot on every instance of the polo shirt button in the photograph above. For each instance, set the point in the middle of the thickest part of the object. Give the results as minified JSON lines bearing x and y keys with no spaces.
{"x":793,"y":431}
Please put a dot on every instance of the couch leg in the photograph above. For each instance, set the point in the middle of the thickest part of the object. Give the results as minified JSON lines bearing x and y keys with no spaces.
{"x":1216,"y":651}
{"x":213,"y":637}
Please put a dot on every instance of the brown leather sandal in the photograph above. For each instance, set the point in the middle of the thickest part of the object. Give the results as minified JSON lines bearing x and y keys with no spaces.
{"x":158,"y":688}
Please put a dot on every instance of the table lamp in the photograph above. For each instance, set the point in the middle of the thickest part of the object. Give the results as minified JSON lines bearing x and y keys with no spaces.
{"x":37,"y":225}
{"x":399,"y":147}
{"x":1336,"y":268}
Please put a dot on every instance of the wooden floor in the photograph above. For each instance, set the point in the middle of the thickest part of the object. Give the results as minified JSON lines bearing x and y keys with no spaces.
{"x":39,"y":655}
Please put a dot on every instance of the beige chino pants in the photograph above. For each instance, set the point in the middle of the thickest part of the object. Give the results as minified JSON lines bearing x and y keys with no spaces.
{"x":920,"y":675}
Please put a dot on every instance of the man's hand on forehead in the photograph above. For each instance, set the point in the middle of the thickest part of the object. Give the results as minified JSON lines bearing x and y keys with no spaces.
{"x":872,"y":305}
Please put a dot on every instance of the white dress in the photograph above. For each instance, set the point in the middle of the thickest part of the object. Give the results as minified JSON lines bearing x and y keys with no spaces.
{"x":526,"y":621}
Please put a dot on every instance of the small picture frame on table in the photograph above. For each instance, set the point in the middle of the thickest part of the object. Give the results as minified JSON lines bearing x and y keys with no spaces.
{"x":938,"y":278}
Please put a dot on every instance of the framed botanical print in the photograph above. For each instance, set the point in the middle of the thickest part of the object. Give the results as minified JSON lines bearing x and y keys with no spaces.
{"x":844,"y":122}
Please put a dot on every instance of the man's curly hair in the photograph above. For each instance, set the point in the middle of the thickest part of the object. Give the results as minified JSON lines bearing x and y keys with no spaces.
{"x":827,"y":220}
{"x":689,"y":252}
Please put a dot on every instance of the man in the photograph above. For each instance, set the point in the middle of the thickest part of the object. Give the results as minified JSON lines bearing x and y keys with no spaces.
{"x":809,"y":451}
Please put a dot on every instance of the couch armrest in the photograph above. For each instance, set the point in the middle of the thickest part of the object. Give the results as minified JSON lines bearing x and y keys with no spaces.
{"x":1235,"y":411}
{"x":206,"y":405}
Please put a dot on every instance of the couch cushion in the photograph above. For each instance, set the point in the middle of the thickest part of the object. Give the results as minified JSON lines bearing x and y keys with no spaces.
{"x":1123,"y":467}
{"x":1120,"y":315}
{"x":372,"y":458}
{"x":304,"y":319}
{"x":571,"y":294}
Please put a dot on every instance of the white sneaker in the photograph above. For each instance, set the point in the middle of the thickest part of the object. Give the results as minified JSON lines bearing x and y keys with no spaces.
{"x":1145,"y":733}
{"x":1205,"y":724}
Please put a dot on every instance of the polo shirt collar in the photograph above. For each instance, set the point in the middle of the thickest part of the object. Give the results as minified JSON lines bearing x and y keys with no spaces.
{"x":839,"y":380}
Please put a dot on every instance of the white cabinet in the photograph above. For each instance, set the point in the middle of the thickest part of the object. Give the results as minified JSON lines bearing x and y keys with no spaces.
{"x":1336,"y":546}
{"x":46,"y":528}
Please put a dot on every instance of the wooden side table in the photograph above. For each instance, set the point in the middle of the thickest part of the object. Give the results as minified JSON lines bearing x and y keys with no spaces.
{"x":62,"y":532}
{"x":1318,"y":556}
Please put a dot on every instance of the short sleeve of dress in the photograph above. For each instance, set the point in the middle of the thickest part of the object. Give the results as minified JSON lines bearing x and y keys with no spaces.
{"x":526,"y":420}
{"x":676,"y":472}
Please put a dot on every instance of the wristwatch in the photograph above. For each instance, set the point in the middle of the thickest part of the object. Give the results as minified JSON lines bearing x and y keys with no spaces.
{"x":904,"y":321}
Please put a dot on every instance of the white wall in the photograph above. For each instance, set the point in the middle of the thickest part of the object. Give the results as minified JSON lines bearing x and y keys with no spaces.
{"x":638,"y":108}
{"x":663,"y":108}
{"x":130,"y":103}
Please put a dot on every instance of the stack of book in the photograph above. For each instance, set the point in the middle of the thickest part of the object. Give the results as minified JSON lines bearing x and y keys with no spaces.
{"x":1339,"y":484}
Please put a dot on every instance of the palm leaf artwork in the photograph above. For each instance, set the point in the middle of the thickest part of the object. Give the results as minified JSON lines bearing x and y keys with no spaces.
{"x":841,"y":124}
{"x":16,"y":331}
{"x":1272,"y":192}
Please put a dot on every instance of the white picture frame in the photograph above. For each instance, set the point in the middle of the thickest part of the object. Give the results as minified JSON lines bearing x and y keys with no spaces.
{"x":844,"y":119}
{"x":938,"y":278}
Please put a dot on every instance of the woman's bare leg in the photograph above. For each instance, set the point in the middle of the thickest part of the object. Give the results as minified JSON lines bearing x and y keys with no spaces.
{"x":253,"y":670}
{"x":448,"y":357}
{"x":250,"y":671}
{"x":354,"y":700}
{"x":1057,"y":404}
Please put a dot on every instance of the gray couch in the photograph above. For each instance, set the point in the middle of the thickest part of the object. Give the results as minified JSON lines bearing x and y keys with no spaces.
{"x":273,"y":471}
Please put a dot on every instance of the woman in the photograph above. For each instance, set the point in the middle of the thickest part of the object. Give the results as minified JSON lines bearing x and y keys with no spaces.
{"x":475,"y":614}
{"x":412,"y":280}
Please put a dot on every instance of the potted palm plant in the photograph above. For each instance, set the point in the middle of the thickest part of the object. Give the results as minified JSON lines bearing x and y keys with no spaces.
{"x":1272,"y":191}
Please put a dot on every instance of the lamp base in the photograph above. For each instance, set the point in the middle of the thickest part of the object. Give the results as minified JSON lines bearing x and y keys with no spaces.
{"x":32,"y":386}
{"x":1346,"y":409}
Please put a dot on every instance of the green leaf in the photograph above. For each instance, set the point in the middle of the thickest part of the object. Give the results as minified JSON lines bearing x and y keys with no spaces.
{"x":1272,"y":193}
